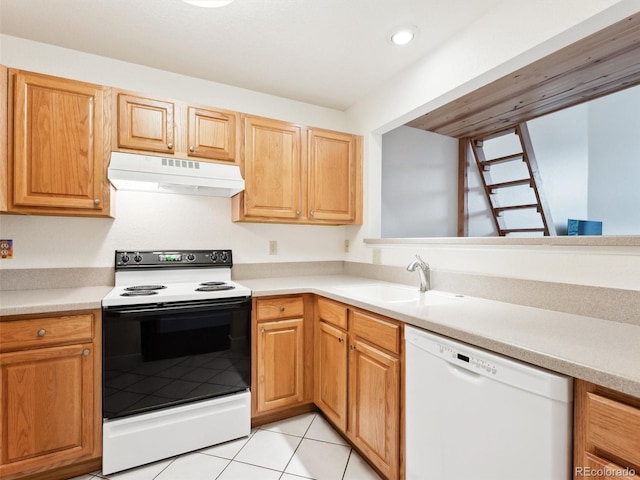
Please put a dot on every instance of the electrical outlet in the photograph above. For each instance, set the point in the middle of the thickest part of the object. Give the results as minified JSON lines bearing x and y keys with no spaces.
{"x":6,"y":249}
{"x":273,"y":247}
{"x":377,"y":256}
{"x":346,"y":246}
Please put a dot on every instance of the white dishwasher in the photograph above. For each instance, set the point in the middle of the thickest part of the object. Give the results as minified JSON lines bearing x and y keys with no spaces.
{"x":471,"y":414}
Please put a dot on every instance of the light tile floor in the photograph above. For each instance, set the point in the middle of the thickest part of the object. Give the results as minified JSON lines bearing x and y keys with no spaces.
{"x":301,"y":447}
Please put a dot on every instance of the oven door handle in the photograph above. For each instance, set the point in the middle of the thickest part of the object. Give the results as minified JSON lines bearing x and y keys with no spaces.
{"x":156,"y":308}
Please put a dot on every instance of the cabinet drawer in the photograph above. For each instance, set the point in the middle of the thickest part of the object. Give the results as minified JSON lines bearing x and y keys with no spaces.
{"x":46,"y":331}
{"x":604,"y":470}
{"x":613,"y":428}
{"x":332,"y":312}
{"x":377,"y":331}
{"x":276,"y":308}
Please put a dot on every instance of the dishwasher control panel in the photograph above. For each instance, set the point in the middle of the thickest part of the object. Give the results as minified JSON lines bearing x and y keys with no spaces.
{"x":475,"y":362}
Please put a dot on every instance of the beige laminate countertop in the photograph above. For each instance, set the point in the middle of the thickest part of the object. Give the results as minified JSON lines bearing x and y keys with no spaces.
{"x":596,"y":350}
{"x":19,"y":302}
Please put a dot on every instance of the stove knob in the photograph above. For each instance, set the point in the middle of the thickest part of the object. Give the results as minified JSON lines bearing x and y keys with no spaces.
{"x":224,"y":257}
{"x":124,"y":258}
{"x":214,"y":257}
{"x":137,"y":258}
{"x":191,"y":257}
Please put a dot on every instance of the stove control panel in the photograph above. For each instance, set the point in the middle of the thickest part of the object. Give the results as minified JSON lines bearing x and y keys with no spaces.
{"x":132,"y":259}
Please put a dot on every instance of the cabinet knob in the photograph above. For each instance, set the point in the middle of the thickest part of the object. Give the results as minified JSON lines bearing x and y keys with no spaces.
{"x":262,"y":330}
{"x":340,"y":339}
{"x":281,"y":309}
{"x":86,"y":352}
{"x":169,"y":146}
{"x":352,"y":347}
{"x":192,"y":149}
{"x":298,"y":212}
{"x":42,"y":332}
{"x":96,"y":201}
{"x":312,"y":213}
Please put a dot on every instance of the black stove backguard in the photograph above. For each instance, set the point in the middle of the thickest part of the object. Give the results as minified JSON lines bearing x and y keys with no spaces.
{"x":160,"y":355}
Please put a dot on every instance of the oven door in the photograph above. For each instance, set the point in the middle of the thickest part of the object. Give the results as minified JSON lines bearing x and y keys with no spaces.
{"x":161,"y":355}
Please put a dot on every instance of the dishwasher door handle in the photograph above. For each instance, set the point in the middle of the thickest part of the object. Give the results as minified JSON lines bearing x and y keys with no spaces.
{"x":465,"y":374}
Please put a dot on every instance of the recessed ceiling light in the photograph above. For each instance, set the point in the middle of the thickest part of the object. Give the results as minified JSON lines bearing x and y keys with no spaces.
{"x":402,"y":35}
{"x":208,"y":3}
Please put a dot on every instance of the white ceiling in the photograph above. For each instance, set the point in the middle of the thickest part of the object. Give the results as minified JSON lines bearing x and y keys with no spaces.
{"x":324,"y":52}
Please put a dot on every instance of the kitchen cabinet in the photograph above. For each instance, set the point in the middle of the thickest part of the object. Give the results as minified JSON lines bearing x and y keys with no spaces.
{"x":280,"y":376}
{"x":4,"y":151}
{"x":145,"y":124}
{"x":50,"y":409}
{"x":333,"y":176}
{"x":58,"y":146}
{"x":330,"y":390}
{"x":607,"y":433}
{"x":152,"y":125}
{"x":358,"y":386}
{"x":295,"y":174}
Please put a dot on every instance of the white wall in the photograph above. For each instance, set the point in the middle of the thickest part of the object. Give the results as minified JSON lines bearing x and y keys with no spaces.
{"x":518,"y":33}
{"x":419,"y":184}
{"x":614,"y":162}
{"x":160,"y":221}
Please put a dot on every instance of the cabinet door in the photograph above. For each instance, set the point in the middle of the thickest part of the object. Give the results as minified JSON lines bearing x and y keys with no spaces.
{"x":272,"y":168}
{"x":374,"y":405}
{"x":330,"y":389}
{"x":47,"y":415}
{"x":332,"y":176}
{"x":145,"y":124}
{"x":211,"y":134}
{"x":280,"y":364}
{"x":58,"y":145}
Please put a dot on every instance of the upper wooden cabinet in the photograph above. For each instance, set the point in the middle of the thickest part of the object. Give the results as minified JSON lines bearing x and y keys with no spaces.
{"x":145,"y":124}
{"x":171,"y":128}
{"x":294,"y":174}
{"x":58,"y":146}
{"x":272,"y":169}
{"x":333,"y":170}
{"x":211,"y":134}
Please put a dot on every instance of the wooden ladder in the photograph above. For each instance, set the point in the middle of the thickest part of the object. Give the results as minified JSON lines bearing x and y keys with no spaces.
{"x":545,"y":226}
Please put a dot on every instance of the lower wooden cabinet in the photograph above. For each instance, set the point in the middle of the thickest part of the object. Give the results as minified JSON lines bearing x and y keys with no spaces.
{"x":358,"y":380}
{"x":607,"y":433}
{"x":330,"y":379}
{"x":50,"y":409}
{"x":281,"y":379}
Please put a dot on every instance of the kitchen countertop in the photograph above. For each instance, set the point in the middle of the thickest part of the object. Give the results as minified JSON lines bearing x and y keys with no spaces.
{"x":596,"y":350}
{"x":18,"y":302}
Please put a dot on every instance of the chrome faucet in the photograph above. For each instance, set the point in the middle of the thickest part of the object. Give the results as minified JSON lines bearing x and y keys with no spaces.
{"x":423,"y":271}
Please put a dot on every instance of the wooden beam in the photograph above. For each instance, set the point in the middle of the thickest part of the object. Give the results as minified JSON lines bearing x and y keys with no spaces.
{"x":463,"y":210}
{"x":600,"y":64}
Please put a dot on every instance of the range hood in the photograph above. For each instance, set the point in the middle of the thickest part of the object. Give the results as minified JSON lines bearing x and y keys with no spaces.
{"x":129,"y":171}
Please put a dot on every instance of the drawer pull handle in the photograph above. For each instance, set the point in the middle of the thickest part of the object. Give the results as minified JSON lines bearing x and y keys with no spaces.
{"x":86,"y":352}
{"x":281,"y":309}
{"x":262,"y":330}
{"x":42,"y":332}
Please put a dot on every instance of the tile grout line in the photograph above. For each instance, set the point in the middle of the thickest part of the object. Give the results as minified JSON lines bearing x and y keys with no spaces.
{"x":300,"y":443}
{"x":347,"y":465}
